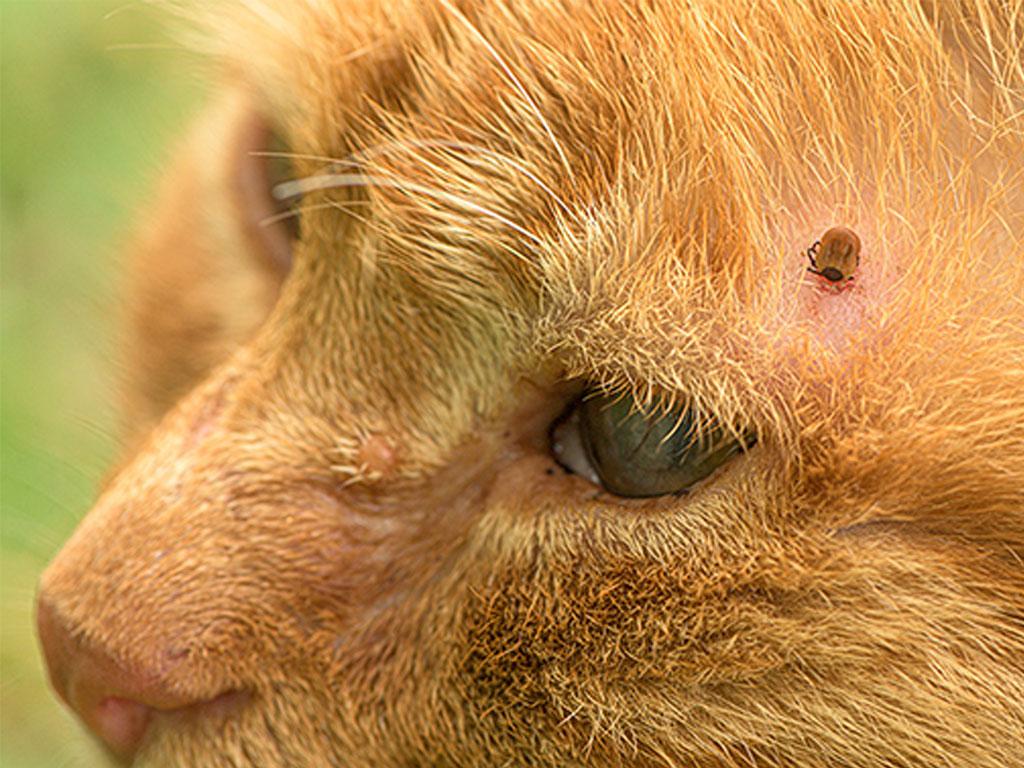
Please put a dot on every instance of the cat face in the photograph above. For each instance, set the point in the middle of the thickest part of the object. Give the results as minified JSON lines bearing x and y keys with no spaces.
{"x":533,"y":442}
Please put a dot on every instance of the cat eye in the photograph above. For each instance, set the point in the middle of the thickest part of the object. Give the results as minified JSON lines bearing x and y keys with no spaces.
{"x":637,"y":452}
{"x":279,"y":172}
{"x":265,"y":165}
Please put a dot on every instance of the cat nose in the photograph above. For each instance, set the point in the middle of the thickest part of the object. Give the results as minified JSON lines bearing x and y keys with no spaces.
{"x":117,"y":701}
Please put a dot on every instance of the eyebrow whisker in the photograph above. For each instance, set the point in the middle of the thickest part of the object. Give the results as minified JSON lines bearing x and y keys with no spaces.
{"x":289,"y":190}
{"x":514,"y":163}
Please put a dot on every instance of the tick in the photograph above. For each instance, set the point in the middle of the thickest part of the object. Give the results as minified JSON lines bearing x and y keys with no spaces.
{"x":835,"y":256}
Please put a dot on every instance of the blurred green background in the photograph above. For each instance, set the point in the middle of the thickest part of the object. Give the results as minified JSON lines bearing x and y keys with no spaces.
{"x":92,"y":95}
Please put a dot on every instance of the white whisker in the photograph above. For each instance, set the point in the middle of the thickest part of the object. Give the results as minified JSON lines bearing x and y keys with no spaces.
{"x":288,"y":190}
{"x":292,"y":189}
{"x":385,"y":147}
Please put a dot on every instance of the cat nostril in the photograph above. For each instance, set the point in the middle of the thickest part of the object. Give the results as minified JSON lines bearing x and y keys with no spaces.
{"x":115,"y":701}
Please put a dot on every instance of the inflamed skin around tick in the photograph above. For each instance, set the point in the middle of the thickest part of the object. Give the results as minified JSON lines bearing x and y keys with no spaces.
{"x":505,"y":432}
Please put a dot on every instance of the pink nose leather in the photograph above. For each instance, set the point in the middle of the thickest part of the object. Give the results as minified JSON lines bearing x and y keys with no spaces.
{"x":116,"y":702}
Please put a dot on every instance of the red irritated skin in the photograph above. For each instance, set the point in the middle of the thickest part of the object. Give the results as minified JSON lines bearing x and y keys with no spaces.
{"x":835,"y":310}
{"x":340,"y":534}
{"x":833,"y":316}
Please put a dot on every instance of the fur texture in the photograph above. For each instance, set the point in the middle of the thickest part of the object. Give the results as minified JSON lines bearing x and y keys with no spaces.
{"x":352,"y":516}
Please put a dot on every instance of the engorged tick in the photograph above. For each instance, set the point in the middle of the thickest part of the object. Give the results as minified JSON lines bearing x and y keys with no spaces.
{"x":835,"y":256}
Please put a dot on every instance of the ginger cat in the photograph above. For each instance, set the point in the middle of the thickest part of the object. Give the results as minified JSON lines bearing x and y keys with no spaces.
{"x":507,"y":426}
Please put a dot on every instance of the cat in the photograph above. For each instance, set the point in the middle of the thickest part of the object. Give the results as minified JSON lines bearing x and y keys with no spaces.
{"x":481,"y":410}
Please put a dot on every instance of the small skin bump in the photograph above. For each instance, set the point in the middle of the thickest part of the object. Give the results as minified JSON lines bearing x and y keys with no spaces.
{"x":377,"y":457}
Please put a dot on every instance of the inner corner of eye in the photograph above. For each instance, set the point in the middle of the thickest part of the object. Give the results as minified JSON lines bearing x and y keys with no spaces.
{"x":279,"y":166}
{"x":568,"y":448}
{"x":272,"y":196}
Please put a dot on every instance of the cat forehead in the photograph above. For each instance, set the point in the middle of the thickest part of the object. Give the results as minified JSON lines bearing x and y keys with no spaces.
{"x":577,"y":127}
{"x":538,"y":57}
{"x":610,"y":178}
{"x":500,"y":141}
{"x":692,"y":109}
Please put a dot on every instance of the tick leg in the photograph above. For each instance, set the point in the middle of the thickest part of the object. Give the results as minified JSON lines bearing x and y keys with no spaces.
{"x":811,"y":251}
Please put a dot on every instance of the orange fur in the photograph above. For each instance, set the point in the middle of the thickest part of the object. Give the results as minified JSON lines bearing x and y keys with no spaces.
{"x":350,"y":517}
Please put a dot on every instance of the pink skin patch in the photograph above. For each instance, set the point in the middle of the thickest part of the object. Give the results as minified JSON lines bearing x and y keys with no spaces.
{"x":377,"y":455}
{"x":834,"y":312}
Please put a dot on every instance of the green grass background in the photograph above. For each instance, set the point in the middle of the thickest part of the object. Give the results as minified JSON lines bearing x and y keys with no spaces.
{"x":92,"y":94}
